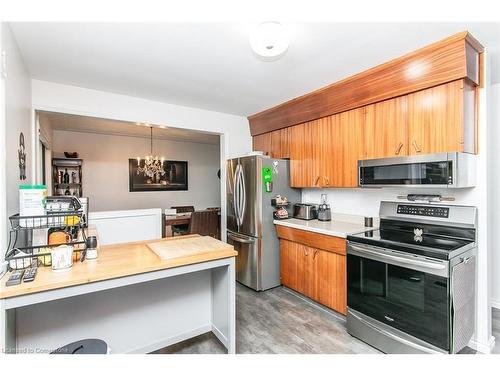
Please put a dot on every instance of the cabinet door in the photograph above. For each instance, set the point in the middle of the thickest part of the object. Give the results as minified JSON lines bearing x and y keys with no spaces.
{"x":304,"y":155}
{"x":262,"y":142}
{"x":289,"y":263}
{"x":276,"y":144}
{"x":288,"y":272}
{"x":435,"y":119}
{"x":330,"y":279}
{"x":386,"y":129}
{"x":285,"y":143}
{"x":344,"y":147}
{"x":296,"y":267}
{"x":280,"y":143}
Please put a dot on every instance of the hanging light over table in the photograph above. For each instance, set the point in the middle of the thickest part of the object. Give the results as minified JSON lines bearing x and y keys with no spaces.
{"x":153,"y":165}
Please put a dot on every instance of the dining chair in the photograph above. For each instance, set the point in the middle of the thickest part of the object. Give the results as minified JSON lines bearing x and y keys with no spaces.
{"x":181,"y":228}
{"x":204,"y":223}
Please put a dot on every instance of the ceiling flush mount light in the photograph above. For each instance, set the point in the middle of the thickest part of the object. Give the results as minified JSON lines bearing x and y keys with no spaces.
{"x":269,"y":40}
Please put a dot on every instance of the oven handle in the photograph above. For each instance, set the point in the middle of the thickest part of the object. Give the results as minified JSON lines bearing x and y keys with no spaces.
{"x":398,"y":260}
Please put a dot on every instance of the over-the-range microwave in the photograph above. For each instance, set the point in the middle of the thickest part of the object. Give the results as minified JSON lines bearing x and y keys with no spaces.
{"x":445,"y":170}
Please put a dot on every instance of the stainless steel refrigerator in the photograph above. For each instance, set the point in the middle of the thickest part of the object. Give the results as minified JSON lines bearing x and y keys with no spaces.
{"x":250,"y":227}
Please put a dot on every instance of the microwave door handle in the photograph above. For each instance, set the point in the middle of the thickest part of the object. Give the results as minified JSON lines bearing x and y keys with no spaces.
{"x":400,"y":260}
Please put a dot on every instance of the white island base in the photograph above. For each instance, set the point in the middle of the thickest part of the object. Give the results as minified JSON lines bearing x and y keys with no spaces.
{"x":139,"y":313}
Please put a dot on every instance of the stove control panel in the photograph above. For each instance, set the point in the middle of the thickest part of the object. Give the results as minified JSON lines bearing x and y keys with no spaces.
{"x":406,"y":209}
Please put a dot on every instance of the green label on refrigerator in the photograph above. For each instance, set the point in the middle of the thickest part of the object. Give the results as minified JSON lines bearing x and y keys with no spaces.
{"x":267,"y":179}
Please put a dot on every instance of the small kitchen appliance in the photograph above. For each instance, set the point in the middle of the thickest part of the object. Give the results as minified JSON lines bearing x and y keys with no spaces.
{"x":411,"y":283}
{"x":445,"y":170}
{"x":324,"y":211}
{"x":305,"y":211}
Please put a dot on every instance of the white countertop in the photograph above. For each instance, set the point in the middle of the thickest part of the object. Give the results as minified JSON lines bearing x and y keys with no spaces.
{"x":335,"y":228}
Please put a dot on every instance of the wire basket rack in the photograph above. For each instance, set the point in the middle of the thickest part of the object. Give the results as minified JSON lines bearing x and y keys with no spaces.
{"x":71,"y":222}
{"x":58,"y":219}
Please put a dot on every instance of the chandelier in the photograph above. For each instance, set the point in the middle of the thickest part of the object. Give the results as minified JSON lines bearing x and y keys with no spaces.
{"x":153,"y":165}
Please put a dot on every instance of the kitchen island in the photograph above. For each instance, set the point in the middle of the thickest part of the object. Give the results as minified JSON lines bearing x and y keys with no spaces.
{"x":129,"y":297}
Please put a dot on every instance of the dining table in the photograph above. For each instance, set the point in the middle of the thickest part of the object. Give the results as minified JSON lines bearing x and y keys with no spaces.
{"x":175,"y":219}
{"x":183,"y":218}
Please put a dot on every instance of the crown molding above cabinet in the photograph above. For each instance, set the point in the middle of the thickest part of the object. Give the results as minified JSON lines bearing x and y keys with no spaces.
{"x":456,"y":57}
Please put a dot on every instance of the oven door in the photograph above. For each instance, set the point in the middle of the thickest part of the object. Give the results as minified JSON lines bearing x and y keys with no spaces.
{"x":404,"y":291}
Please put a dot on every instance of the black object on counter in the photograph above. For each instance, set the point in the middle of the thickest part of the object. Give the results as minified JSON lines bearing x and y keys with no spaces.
{"x":91,"y":242}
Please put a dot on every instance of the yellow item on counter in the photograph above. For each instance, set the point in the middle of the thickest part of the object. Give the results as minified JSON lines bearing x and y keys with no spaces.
{"x":71,"y":220}
{"x":46,"y":260}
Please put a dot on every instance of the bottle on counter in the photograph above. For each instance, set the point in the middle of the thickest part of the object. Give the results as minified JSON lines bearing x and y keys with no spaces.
{"x":61,"y":177}
{"x":67,"y":191}
{"x":66,"y":176}
{"x":73,"y":177}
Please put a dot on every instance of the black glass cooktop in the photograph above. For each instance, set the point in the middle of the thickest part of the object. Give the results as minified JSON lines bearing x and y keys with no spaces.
{"x":416,"y":242}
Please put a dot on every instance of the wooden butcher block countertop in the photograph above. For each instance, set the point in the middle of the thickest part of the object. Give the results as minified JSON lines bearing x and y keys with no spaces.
{"x":125,"y":259}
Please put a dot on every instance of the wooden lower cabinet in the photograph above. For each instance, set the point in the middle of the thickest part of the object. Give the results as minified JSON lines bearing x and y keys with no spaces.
{"x":330,"y":278}
{"x":318,"y":274}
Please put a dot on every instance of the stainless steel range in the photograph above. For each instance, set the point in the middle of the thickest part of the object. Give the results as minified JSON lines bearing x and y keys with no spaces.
{"x":411,"y":283}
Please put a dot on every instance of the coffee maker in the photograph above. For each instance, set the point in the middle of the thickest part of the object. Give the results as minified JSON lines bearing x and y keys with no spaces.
{"x":324,"y":211}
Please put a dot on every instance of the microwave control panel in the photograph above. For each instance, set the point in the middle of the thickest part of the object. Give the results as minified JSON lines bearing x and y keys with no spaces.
{"x":433,"y":211}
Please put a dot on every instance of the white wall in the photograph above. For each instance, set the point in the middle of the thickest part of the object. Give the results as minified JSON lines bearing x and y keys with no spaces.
{"x":366,"y":202}
{"x":494,"y":197}
{"x":106,"y":174}
{"x":77,"y":100}
{"x":17,"y":107}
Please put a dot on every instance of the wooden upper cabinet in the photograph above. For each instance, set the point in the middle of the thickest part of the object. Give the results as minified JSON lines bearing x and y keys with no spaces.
{"x":280,"y":143}
{"x":442,"y":119}
{"x":262,"y":143}
{"x":325,"y":152}
{"x":276,"y":144}
{"x":305,"y":155}
{"x":345,"y":146}
{"x":386,"y":129}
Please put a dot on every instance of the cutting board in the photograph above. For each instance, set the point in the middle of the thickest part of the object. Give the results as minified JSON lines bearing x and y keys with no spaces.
{"x":185,"y":247}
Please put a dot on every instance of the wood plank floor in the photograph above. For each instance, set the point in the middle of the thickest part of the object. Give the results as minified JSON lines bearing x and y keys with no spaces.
{"x":278,"y":321}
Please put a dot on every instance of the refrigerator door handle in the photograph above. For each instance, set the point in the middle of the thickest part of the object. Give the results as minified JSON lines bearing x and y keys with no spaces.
{"x":236,"y":194}
{"x":244,"y":196}
{"x":241,"y":240}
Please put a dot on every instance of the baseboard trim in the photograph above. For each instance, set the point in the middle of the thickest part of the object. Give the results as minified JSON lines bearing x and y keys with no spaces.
{"x":495,"y":303}
{"x":222,"y":338}
{"x":317,"y":305}
{"x":485,"y":348}
{"x":171,"y":340}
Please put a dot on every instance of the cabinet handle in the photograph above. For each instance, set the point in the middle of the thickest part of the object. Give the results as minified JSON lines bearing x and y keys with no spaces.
{"x":305,"y":252}
{"x":415,"y":146}
{"x":317,"y":180}
{"x":327,"y":179}
{"x":398,"y":150}
{"x":315,"y":253}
